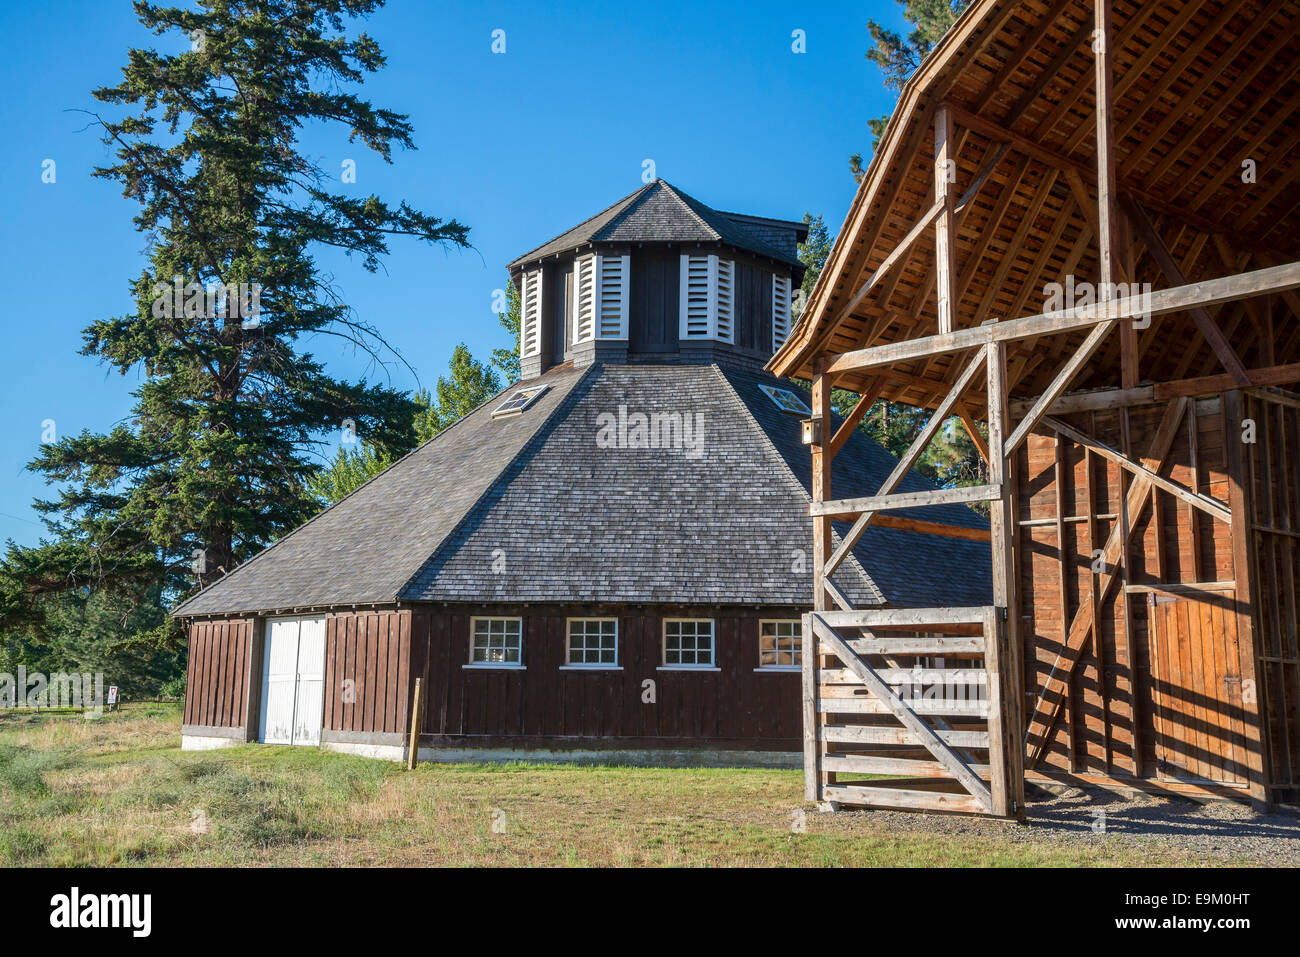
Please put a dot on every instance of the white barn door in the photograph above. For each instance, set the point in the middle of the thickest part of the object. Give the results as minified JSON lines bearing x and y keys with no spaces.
{"x":310,"y":706}
{"x":293,"y":681}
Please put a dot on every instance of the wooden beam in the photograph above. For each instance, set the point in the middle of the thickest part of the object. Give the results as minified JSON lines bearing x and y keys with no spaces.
{"x":918,"y":229}
{"x":1052,"y":696}
{"x":981,"y":445}
{"x":854,"y":418}
{"x":945,"y":166}
{"x":851,"y":507}
{"x":1165,"y":260}
{"x":1032,"y":148}
{"x":1210,"y":506}
{"x":821,"y":483}
{"x":905,"y":463}
{"x":1002,"y":627}
{"x":902,"y":524}
{"x":1060,"y":383}
{"x":811,"y":718}
{"x":1106,"y":191}
{"x":1178,"y":299}
{"x":1208,"y":385}
{"x":1161,"y":391}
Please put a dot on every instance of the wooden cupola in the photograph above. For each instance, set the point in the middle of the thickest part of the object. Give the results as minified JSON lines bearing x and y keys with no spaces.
{"x":659,"y":276}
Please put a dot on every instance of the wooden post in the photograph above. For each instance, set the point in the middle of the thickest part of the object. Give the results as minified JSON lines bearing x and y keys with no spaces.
{"x":811,"y":749}
{"x":821,"y":492}
{"x":416,"y":702}
{"x":1239,"y":500}
{"x":1107,"y":239}
{"x":945,"y":166}
{"x":1009,"y":792}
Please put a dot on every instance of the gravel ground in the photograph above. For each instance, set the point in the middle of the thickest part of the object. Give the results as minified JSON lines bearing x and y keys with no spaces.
{"x":1219,"y":832}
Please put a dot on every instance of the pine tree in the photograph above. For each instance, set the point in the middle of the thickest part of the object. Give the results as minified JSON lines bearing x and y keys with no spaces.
{"x":507,"y":360}
{"x":214,"y":461}
{"x":812,"y":253}
{"x":898,"y":56}
{"x":467,"y":386}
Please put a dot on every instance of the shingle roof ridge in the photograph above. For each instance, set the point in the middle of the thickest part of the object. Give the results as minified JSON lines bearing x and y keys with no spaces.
{"x":573,"y":229}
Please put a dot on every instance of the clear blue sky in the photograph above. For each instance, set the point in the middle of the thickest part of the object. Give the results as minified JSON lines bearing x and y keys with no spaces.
{"x":518,"y":146}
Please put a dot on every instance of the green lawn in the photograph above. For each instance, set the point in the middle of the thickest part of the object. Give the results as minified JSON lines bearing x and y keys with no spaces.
{"x":120,"y":791}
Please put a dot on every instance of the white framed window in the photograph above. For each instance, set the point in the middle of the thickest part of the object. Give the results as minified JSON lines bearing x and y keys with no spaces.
{"x":688,"y":643}
{"x":496,"y":642}
{"x":780,"y":644}
{"x":530,"y":315}
{"x":519,"y":400}
{"x":786,"y":400}
{"x":780,"y":311}
{"x":707,"y":298}
{"x":592,"y":643}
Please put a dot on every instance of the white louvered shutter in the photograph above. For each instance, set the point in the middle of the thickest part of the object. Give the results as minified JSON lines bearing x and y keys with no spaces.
{"x":612,"y":280}
{"x":584,"y":298}
{"x":530,"y":320}
{"x":724,"y":299}
{"x":780,"y":310}
{"x":695,"y":298}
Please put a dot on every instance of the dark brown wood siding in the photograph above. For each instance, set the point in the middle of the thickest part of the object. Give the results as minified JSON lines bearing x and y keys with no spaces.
{"x":367,"y":671}
{"x":216,"y":687}
{"x":544,"y":705}
{"x":653,"y":300}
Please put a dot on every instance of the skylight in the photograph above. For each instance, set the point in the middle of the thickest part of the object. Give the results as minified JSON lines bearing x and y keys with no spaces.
{"x":519,"y":400}
{"x":786,"y":400}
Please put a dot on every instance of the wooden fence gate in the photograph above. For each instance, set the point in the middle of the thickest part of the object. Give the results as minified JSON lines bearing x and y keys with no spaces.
{"x":915,"y":696}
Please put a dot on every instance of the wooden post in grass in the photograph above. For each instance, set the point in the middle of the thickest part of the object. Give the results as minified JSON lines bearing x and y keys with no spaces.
{"x":415,"y":724}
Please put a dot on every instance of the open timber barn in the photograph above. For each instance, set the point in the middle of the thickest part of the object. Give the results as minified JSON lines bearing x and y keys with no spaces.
{"x":1142,"y":449}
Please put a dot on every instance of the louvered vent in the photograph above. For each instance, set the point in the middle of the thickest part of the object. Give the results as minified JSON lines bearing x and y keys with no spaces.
{"x":780,"y":311}
{"x":697,"y":281}
{"x":613,"y":282}
{"x":584,"y":298}
{"x":530,"y":320}
{"x":724,"y":300}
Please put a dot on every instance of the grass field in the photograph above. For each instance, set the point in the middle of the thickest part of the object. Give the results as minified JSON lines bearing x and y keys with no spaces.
{"x":119,"y":791}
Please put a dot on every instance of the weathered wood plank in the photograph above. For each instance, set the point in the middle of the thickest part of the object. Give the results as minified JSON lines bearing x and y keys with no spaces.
{"x":897,"y":797}
{"x":1208,"y":292}
{"x":863,"y":734}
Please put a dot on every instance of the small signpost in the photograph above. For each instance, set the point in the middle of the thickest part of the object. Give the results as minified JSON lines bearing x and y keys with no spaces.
{"x":112,"y":698}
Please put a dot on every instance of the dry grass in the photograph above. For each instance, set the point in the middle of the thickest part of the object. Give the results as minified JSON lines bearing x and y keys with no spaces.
{"x":120,"y":791}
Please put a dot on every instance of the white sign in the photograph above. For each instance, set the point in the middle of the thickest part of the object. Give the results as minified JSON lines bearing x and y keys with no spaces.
{"x":112,"y":694}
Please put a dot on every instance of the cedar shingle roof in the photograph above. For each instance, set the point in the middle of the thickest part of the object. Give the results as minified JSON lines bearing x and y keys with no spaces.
{"x":364,"y":548}
{"x":577,"y":522}
{"x":661,"y":213}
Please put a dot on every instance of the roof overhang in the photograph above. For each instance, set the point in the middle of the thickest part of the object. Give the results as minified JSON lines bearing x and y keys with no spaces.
{"x":1199,"y":86}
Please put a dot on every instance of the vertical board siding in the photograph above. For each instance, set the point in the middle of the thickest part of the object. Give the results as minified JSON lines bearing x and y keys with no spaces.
{"x":1132,"y":709}
{"x":546,"y":704}
{"x":370,"y":650}
{"x":216,"y":686}
{"x":1273,"y":480}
